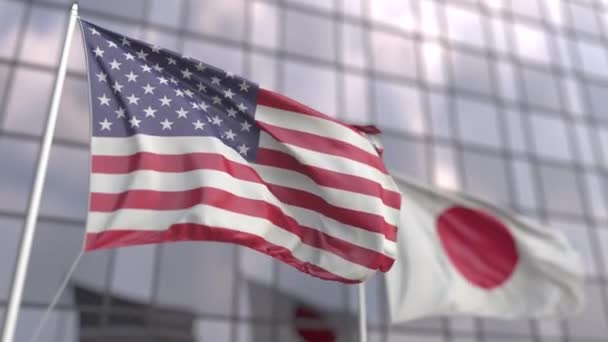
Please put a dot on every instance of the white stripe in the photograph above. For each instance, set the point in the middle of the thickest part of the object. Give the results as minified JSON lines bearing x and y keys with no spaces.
{"x":328,"y":161}
{"x":169,"y":181}
{"x":340,"y":198}
{"x":215,"y":217}
{"x":310,"y":124}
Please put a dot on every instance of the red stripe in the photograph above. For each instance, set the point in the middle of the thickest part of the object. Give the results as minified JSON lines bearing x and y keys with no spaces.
{"x":157,"y":200}
{"x":322,"y":144}
{"x":271,"y":99}
{"x":184,"y":232}
{"x":367,"y":129}
{"x":329,"y":178}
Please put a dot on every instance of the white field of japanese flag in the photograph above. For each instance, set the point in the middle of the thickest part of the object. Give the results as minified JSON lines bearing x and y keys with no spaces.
{"x":461,"y":255}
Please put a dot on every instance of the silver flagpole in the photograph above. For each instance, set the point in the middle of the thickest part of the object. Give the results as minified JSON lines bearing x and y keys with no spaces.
{"x":12,"y":313}
{"x":362,"y":313}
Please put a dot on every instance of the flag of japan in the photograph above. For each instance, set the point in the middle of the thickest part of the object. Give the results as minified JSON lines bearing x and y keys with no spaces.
{"x":461,"y":255}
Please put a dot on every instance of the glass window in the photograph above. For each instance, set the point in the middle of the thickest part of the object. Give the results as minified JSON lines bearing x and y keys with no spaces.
{"x":11,"y":15}
{"x":433,"y":55}
{"x":440,"y":118}
{"x":506,"y":77}
{"x":406,"y":156}
{"x":556,"y":12}
{"x":399,"y":107}
{"x":11,"y":235}
{"x":265,"y":30}
{"x":166,"y":13}
{"x":22,"y":114}
{"x":561,"y":193}
{"x":66,"y":188}
{"x":501,"y":326}
{"x":595,"y":191}
{"x":598,"y":96}
{"x":593,"y":56}
{"x":464,"y":26}
{"x":129,"y":9}
{"x":356,"y":106}
{"x":529,"y":8}
{"x":263,"y":70}
{"x":73,"y":120}
{"x":394,"y":55}
{"x":485,"y":177}
{"x":550,"y":137}
{"x":602,"y":234}
{"x":309,"y":35}
{"x":591,"y":323}
{"x":565,"y":52}
{"x":584,"y":19}
{"x":217,"y":18}
{"x":256,"y":285}
{"x":352,"y":7}
{"x":585,"y":150}
{"x":394,"y":12}
{"x":402,"y":337}
{"x":29,"y":319}
{"x":132,"y":272}
{"x":429,"y":22}
{"x":165,"y":39}
{"x":445,"y":173}
{"x":532,"y":43}
{"x":471,"y":72}
{"x":4,"y":71}
{"x":44,"y":36}
{"x":76,"y":59}
{"x":575,"y":105}
{"x":228,"y":59}
{"x":312,"y":85}
{"x":517,"y":138}
{"x":353,"y":45}
{"x":500,"y":35}
{"x":525,"y":191}
{"x":603,"y":139}
{"x":541,"y":89}
{"x":322,"y":4}
{"x":478,"y":123}
{"x":212,"y":330}
{"x":16,"y":173}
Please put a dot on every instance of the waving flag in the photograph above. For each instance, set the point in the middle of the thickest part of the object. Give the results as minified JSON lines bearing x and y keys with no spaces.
{"x":462,"y":255}
{"x":182,"y":150}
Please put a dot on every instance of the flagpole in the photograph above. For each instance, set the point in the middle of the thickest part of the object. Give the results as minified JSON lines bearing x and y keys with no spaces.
{"x":362,"y":313}
{"x":12,"y":313}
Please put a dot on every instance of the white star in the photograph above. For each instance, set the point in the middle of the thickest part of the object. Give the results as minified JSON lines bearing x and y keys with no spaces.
{"x":215,"y":80}
{"x":158,"y":67}
{"x":231,"y":112}
{"x":98,"y":52}
{"x":245,"y":126}
{"x":101,"y":77}
{"x":132,"y":77}
{"x":111,"y":44}
{"x":243,"y":149}
{"x":188,"y":93}
{"x":141,"y":54}
{"x":125,"y":41}
{"x":181,"y":113}
{"x":166,"y":124}
{"x":117,"y":87}
{"x":105,"y":124}
{"x":216,"y":100}
{"x":244,"y":86}
{"x":129,"y":56}
{"x":148,"y":89}
{"x":120,"y":113}
{"x":194,"y":105}
{"x":149,"y":112}
{"x":202,"y":87}
{"x":242,"y":107}
{"x":200,"y":66}
{"x":198,"y":125}
{"x":165,"y":101}
{"x":171,"y":60}
{"x":146,"y":68}
{"x":134,"y":122}
{"x":115,"y":65}
{"x":173,"y":80}
{"x":155,"y":48}
{"x":228,"y":94}
{"x":162,"y":80}
{"x":133,"y":99}
{"x":216,"y":120}
{"x":94,"y":32}
{"x":203,"y":106}
{"x":104,"y":100}
{"x":229,"y":74}
{"x":230,"y":135}
{"x":178,"y":92}
{"x":186,"y":74}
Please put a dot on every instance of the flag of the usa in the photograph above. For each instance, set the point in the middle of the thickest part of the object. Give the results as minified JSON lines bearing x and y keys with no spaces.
{"x":182,"y":150}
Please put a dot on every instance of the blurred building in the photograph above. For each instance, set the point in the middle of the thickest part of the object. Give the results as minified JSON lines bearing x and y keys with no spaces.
{"x":506,"y":99}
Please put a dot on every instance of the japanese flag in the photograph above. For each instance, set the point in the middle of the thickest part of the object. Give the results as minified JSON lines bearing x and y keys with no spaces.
{"x":462,"y":255}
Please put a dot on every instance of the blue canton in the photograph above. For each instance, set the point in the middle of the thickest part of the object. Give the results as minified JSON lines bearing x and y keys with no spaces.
{"x":137,"y":88}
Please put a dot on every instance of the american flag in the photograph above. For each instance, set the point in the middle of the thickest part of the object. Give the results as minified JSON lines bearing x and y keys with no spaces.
{"x":182,"y":150}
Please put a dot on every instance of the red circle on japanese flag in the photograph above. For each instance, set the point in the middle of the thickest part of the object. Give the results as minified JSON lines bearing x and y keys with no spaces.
{"x":481,"y":247}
